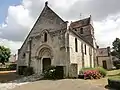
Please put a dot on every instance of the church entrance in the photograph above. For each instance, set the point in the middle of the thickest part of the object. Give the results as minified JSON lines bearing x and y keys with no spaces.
{"x":46,"y":62}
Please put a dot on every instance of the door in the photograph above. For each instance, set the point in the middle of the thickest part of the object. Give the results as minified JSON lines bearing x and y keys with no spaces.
{"x":46,"y":63}
{"x":104,"y":64}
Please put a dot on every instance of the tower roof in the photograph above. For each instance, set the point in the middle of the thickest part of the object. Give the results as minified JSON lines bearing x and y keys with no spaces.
{"x":80,"y":23}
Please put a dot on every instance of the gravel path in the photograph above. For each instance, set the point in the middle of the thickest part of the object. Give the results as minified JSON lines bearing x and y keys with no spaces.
{"x":18,"y":82}
{"x":65,"y":84}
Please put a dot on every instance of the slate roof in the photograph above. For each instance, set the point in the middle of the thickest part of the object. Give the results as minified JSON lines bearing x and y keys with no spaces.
{"x":84,"y":39}
{"x":80,"y":23}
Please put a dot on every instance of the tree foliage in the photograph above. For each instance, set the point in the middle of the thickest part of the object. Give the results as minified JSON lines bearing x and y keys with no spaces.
{"x":4,"y":54}
{"x":116,"y":48}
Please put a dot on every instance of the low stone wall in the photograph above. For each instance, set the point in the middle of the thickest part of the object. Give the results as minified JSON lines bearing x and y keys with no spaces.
{"x":114,"y":84}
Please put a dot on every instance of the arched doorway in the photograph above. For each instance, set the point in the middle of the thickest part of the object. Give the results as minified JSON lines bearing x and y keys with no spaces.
{"x":45,"y":55}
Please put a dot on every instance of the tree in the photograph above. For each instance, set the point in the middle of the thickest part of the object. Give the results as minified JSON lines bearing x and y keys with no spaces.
{"x":116,"y":52}
{"x":4,"y":54}
{"x":116,"y":48}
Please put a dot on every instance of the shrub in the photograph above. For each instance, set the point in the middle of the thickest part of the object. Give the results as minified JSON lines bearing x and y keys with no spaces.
{"x":12,"y":66}
{"x":4,"y":69}
{"x":85,"y":69}
{"x":92,"y":74}
{"x":28,"y":71}
{"x":99,"y":70}
{"x":114,"y":84}
{"x":49,"y":73}
{"x":102,"y":71}
{"x":88,"y":68}
{"x":118,"y":66}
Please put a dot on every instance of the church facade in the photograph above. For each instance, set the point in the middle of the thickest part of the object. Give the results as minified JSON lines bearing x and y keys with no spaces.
{"x":52,"y":42}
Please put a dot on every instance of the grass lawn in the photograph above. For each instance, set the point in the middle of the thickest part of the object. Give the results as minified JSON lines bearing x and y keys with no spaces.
{"x":114,"y":74}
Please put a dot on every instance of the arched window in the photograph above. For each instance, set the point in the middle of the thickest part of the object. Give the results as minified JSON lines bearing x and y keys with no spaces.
{"x":45,"y":37}
{"x":81,"y":31}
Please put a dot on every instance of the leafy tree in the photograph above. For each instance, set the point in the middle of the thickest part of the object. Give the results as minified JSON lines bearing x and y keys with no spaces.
{"x":116,"y":52}
{"x":4,"y":54}
{"x":116,"y":48}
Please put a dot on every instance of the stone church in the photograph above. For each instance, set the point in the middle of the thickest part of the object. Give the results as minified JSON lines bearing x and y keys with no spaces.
{"x":52,"y":42}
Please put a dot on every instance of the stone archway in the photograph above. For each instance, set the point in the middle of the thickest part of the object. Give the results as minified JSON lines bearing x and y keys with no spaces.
{"x":45,"y":56}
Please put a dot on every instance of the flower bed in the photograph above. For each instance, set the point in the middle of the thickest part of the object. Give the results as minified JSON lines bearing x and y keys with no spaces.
{"x":92,"y":74}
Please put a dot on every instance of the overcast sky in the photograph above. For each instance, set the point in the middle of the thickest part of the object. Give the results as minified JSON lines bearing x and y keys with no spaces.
{"x":18,"y":16}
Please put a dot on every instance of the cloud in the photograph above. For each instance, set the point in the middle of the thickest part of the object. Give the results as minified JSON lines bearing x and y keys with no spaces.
{"x":17,"y":24}
{"x":14,"y":46}
{"x":107,"y":30}
{"x":99,"y":9}
{"x":20,"y":19}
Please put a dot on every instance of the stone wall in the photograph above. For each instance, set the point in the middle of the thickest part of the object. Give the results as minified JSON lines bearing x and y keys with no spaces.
{"x":55,"y":27}
{"x":108,"y":62}
{"x":76,"y":57}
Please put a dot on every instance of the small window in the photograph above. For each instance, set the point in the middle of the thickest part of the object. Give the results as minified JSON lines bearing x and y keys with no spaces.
{"x":76,"y":46}
{"x":81,"y":31}
{"x":85,"y":48}
{"x":75,"y":29}
{"x":45,"y":37}
{"x":23,"y":55}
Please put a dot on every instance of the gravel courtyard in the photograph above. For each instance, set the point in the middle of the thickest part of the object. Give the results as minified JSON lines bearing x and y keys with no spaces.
{"x":65,"y":84}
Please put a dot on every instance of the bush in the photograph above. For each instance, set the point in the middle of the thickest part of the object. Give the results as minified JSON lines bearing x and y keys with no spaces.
{"x":92,"y":74}
{"x":114,"y":84}
{"x":118,"y":66}
{"x":4,"y":69}
{"x":28,"y":71}
{"x":85,"y":69}
{"x":102,"y":71}
{"x":12,"y":66}
{"x":49,"y":73}
{"x":88,"y":68}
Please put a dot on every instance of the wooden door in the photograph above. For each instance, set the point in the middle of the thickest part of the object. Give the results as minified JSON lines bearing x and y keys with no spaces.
{"x":46,"y":63}
{"x":104,"y":64}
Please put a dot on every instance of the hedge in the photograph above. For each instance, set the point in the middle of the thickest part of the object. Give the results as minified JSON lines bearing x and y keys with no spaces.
{"x":114,"y":84}
{"x":101,"y":70}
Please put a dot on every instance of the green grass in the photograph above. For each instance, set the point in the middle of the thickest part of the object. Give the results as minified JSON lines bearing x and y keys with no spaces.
{"x":114,"y":74}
